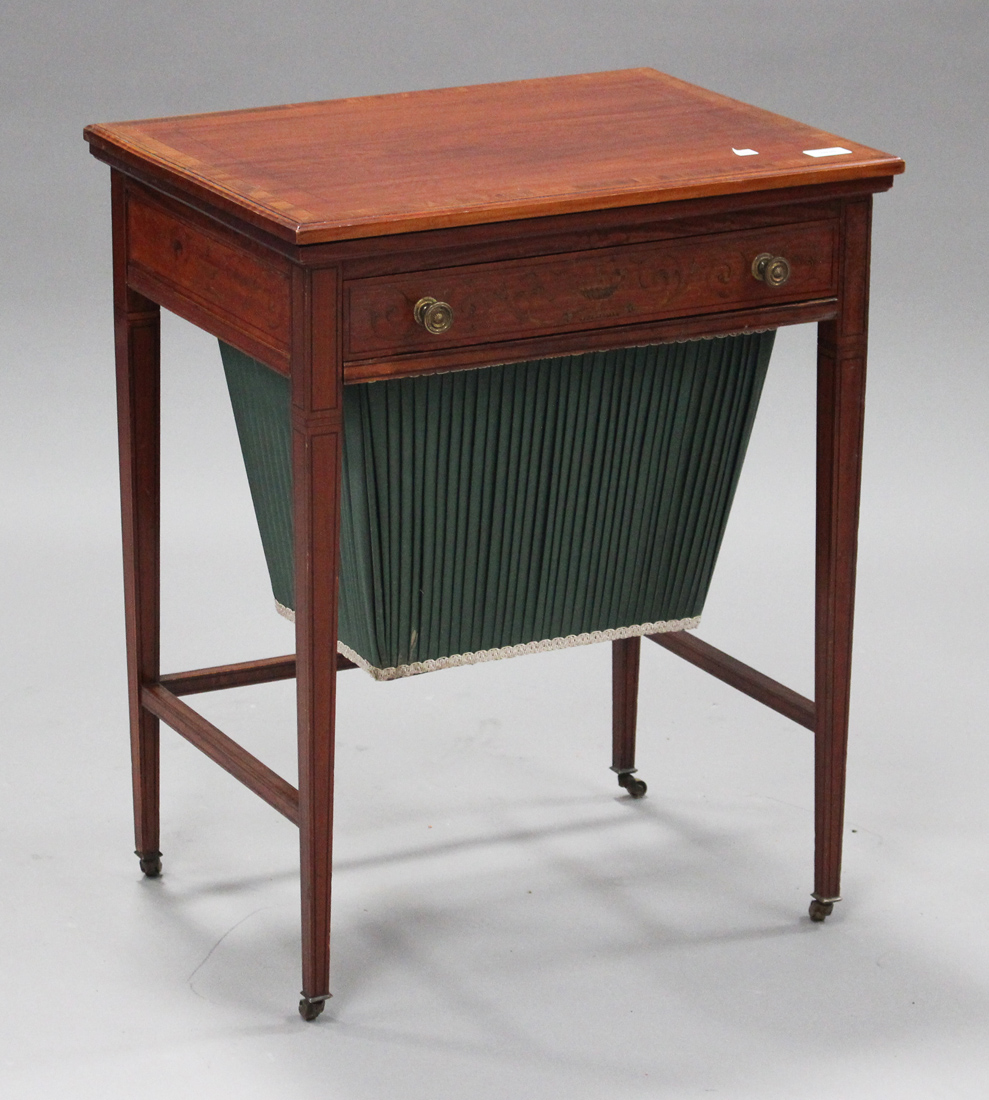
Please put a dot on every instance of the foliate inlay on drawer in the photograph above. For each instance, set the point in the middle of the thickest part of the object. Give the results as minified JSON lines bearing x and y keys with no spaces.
{"x":576,"y":290}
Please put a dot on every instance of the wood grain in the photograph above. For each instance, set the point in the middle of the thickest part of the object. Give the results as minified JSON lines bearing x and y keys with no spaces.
{"x":317,"y":445}
{"x":841,"y":371}
{"x":232,"y":757}
{"x":137,"y":331}
{"x":743,"y":677}
{"x":364,"y":167}
{"x":624,"y":702}
{"x":585,"y":340}
{"x":233,"y":291}
{"x":243,"y":674}
{"x":475,"y":244}
{"x":589,"y":290}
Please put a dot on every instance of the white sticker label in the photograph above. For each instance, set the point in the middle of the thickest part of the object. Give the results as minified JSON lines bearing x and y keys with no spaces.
{"x":745,"y":152}
{"x":834,"y":151}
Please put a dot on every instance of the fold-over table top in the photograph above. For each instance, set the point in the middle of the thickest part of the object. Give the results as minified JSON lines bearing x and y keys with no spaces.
{"x":364,"y":167}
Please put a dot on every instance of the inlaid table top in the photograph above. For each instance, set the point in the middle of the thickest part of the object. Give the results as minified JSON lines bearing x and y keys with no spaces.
{"x":364,"y":167}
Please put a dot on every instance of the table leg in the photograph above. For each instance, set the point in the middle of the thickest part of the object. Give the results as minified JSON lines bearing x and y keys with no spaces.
{"x":316,"y":467}
{"x":624,"y":699}
{"x":840,"y":402}
{"x":137,"y":340}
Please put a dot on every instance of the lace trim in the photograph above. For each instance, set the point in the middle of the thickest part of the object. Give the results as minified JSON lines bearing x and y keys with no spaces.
{"x":544,"y":646}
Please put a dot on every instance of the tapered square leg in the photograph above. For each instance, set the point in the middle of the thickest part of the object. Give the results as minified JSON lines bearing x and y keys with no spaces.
{"x":841,"y":405}
{"x":317,"y":406}
{"x":624,"y":705}
{"x":137,"y":340}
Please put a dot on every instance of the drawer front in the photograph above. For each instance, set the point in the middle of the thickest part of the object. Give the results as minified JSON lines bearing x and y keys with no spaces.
{"x":589,"y":290}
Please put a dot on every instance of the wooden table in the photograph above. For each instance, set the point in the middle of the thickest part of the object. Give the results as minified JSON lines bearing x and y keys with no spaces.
{"x":552,"y":217}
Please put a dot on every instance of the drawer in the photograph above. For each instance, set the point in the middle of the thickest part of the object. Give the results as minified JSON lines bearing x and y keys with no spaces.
{"x":568,"y":292}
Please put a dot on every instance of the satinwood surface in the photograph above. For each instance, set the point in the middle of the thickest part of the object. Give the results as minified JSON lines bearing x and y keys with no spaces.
{"x":365,"y":167}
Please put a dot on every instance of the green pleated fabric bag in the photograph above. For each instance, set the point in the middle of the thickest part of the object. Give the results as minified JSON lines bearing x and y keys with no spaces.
{"x":492,"y":512}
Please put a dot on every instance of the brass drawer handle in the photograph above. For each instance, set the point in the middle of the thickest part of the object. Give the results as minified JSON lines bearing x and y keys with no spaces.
{"x":435,"y":317}
{"x":771,"y":270}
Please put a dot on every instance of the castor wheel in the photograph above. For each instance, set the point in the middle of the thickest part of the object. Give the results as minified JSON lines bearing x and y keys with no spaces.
{"x":820,"y":909}
{"x":309,"y":1010}
{"x":635,"y":787}
{"x":150,"y":863}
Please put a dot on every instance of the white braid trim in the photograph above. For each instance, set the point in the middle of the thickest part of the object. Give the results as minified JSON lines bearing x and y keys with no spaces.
{"x":544,"y":646}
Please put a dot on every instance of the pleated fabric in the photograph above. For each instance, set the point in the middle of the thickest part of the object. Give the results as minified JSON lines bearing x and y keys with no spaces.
{"x":519,"y":507}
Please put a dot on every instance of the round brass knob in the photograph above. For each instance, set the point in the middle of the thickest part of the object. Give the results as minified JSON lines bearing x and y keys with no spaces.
{"x":771,"y":270}
{"x":435,"y":317}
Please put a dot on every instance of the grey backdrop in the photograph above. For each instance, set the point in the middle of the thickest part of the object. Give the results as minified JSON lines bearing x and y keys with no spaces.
{"x":505,"y":925}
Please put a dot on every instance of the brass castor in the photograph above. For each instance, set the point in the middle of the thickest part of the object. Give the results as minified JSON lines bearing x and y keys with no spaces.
{"x":820,"y":909}
{"x":150,"y":863}
{"x":309,"y":1010}
{"x":635,"y":787}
